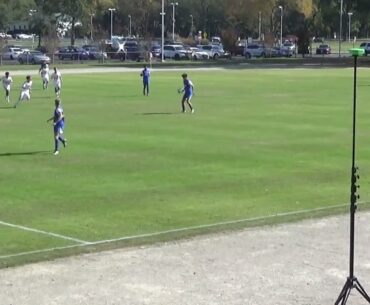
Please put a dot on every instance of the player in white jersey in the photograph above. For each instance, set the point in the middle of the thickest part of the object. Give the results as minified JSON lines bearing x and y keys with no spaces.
{"x":25,"y":91}
{"x":7,"y":81}
{"x":44,"y":72}
{"x":57,"y":78}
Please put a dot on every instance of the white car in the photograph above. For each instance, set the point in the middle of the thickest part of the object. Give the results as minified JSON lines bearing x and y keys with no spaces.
{"x":25,"y":36}
{"x":197,"y":53}
{"x":254,"y":50}
{"x":176,"y":52}
{"x":289,"y":46}
{"x":11,"y":52}
{"x":214,"y":51}
{"x":5,"y":36}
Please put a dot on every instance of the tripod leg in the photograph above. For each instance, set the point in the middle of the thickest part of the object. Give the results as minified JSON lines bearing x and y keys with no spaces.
{"x":361,"y":290}
{"x":344,"y":294}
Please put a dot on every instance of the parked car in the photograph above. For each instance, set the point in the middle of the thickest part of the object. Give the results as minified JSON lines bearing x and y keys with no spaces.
{"x":254,"y":50}
{"x":94,"y":53}
{"x":323,"y":49}
{"x":132,"y":51}
{"x":72,"y":53}
{"x":176,"y":52}
{"x":156,"y":50}
{"x":10,"y":52}
{"x":318,"y":39}
{"x":197,"y":53}
{"x":289,"y":46}
{"x":5,"y":36}
{"x":214,"y":51}
{"x":366,"y":47}
{"x":33,"y":57}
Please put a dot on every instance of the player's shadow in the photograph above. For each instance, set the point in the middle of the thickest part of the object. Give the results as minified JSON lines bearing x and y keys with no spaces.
{"x":6,"y":107}
{"x":156,"y":113}
{"x":27,"y":153}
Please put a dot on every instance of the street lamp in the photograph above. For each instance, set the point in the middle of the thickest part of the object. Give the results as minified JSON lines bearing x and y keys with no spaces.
{"x":192,"y":25}
{"x":91,"y":26}
{"x":349,"y":26}
{"x":31,"y":12}
{"x":174,"y":4}
{"x":340,"y":27}
{"x":129,"y":17}
{"x":162,"y":43}
{"x":259,"y":25}
{"x":281,"y":24}
{"x":111,"y":21}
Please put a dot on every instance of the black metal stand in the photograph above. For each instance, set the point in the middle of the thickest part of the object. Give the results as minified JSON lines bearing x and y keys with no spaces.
{"x":352,"y":282}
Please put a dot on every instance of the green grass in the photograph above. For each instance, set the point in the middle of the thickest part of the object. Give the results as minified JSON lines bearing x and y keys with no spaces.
{"x":262,"y":142}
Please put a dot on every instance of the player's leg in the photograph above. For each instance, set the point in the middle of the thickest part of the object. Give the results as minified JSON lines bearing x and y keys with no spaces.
{"x":21,"y":97}
{"x":190,"y":104}
{"x":7,"y":95}
{"x":183,"y":103}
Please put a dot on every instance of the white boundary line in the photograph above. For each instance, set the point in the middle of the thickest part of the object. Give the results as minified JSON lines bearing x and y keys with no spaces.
{"x":107,"y":241}
{"x":43,"y":232}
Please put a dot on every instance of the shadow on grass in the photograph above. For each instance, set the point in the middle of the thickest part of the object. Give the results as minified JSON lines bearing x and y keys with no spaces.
{"x":6,"y":107}
{"x":156,"y":113}
{"x":28,"y":153}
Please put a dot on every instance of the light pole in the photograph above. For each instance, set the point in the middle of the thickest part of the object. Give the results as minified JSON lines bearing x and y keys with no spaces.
{"x":259,"y":25}
{"x":340,"y":27}
{"x":192,"y":24}
{"x":349,"y":26}
{"x":174,"y":4}
{"x":31,"y":12}
{"x":111,"y":21}
{"x":162,"y":43}
{"x":281,"y":24}
{"x":91,"y":26}
{"x":129,"y":17}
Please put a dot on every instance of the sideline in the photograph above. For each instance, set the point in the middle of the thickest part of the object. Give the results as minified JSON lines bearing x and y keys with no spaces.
{"x":83,"y":244}
{"x":43,"y":232}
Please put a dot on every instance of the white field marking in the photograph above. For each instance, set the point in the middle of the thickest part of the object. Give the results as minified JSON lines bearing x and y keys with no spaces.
{"x":106,"y":241}
{"x":43,"y":232}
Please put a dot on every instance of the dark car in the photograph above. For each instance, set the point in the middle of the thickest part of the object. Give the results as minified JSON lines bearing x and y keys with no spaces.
{"x":73,"y":53}
{"x":94,"y":52}
{"x":156,"y":50}
{"x":132,"y":51}
{"x":323,"y":49}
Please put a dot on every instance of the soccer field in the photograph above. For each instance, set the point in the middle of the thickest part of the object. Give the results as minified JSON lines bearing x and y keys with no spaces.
{"x":261,"y":143}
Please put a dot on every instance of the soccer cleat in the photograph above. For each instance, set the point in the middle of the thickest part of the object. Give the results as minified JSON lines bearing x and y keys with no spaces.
{"x":192,"y":110}
{"x":56,"y":152}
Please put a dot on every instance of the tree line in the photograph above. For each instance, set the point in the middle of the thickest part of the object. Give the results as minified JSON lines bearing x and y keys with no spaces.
{"x":230,"y":19}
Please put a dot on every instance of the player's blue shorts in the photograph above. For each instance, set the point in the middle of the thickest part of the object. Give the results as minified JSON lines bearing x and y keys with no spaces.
{"x":188,"y":95}
{"x":59,"y":128}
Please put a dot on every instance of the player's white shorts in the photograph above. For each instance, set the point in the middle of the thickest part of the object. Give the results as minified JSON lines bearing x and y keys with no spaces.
{"x":7,"y":87}
{"x":58,"y":85}
{"x":45,"y":78}
{"x":25,"y":95}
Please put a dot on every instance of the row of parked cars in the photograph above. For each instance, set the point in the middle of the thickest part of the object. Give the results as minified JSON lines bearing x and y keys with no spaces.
{"x":179,"y":51}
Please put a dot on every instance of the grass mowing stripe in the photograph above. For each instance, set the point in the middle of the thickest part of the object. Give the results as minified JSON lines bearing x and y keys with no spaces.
{"x":107,"y":241}
{"x":43,"y":232}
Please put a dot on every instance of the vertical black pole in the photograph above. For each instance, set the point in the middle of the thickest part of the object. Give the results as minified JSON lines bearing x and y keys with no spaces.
{"x":353,"y":177}
{"x":352,"y":281}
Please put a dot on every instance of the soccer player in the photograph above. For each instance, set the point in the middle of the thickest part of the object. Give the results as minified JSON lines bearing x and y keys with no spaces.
{"x":57,"y":78}
{"x":25,"y":91}
{"x":44,"y":72}
{"x":145,"y":74}
{"x":188,"y":93}
{"x":7,"y":81}
{"x":58,"y":125}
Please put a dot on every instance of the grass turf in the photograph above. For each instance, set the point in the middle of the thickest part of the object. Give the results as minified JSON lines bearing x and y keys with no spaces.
{"x":261,"y":142}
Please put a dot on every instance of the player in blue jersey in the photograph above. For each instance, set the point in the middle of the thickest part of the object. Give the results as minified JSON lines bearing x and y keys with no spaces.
{"x":145,"y":74}
{"x":58,"y":124}
{"x":188,"y":91}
